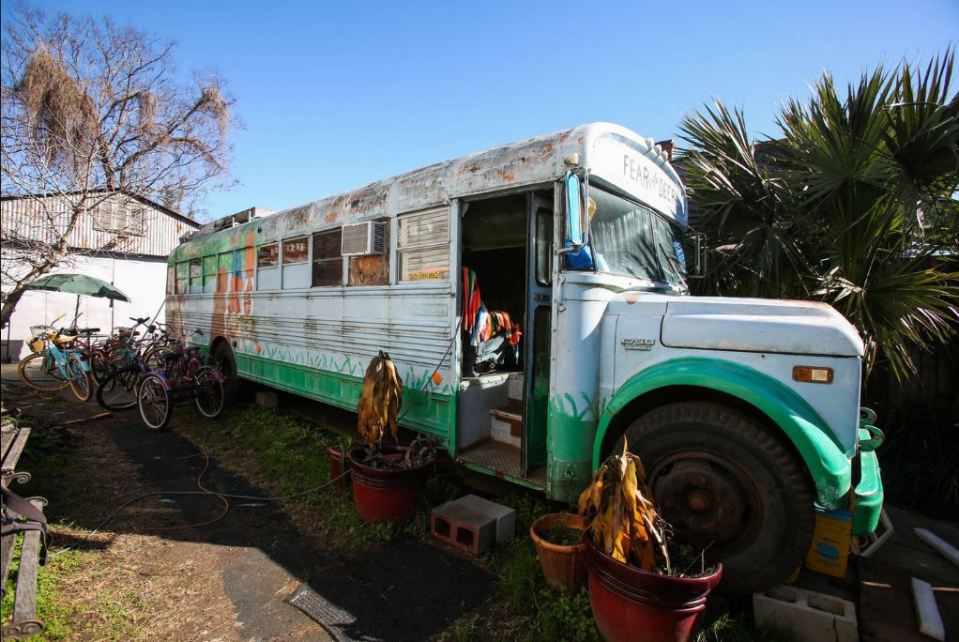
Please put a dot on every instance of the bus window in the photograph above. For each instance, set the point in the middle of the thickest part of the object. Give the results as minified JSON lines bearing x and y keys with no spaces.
{"x":327,"y":262}
{"x":267,"y":256}
{"x":223,"y":270}
{"x":424,"y":246}
{"x":294,"y":251}
{"x":267,"y":273}
{"x":296,"y":270}
{"x":209,"y":274}
{"x":242,"y":269}
{"x":170,"y":279}
{"x":373,"y":269}
{"x":182,"y":277}
{"x":196,"y":276}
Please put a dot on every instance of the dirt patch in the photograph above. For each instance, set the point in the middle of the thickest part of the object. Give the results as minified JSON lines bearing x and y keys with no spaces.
{"x":138,"y":587}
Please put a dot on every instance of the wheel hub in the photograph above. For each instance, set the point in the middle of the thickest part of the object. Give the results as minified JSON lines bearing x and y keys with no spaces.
{"x":704,"y":499}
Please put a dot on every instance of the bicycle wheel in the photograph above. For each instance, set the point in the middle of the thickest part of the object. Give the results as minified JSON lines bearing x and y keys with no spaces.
{"x":154,"y":402}
{"x":118,"y":391}
{"x":80,"y":380}
{"x":99,"y":367}
{"x":210,"y":393}
{"x":37,"y":371}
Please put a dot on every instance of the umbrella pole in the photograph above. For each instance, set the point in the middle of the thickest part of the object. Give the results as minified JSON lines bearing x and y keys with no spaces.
{"x":76,"y":312}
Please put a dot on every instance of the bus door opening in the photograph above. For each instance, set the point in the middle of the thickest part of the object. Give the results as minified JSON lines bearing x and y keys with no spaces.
{"x":499,"y":326}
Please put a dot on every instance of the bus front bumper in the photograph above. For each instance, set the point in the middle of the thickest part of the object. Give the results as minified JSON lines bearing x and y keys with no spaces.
{"x":868,"y":495}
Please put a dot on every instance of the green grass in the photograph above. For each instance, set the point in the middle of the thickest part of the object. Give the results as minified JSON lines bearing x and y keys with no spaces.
{"x":549,"y":614}
{"x":290,"y":454}
{"x":50,"y":456}
{"x":729,"y":628}
{"x":57,"y":616}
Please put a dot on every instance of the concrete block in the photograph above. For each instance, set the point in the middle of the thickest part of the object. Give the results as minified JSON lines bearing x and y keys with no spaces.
{"x":267,"y":399}
{"x":806,"y":615}
{"x":472,"y":523}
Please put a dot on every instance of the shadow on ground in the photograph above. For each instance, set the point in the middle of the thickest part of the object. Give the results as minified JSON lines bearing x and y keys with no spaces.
{"x":402,"y":590}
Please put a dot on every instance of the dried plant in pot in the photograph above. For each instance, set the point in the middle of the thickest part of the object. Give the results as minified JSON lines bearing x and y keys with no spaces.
{"x":643,"y":585}
{"x":388,"y":480}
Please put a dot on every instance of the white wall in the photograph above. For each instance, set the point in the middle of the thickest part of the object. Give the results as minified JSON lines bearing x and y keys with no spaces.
{"x":144,"y":282}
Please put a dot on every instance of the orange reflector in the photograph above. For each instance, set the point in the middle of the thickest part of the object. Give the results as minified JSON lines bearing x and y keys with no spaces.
{"x":812,"y":374}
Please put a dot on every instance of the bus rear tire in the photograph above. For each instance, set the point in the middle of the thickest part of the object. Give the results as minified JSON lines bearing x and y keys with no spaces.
{"x":719,"y":476}
{"x":225,"y":361}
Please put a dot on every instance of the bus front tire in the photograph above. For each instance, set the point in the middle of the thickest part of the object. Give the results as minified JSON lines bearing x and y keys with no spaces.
{"x":723,"y":481}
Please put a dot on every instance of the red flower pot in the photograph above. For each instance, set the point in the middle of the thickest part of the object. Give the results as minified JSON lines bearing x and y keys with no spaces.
{"x":337,"y":462}
{"x":387,"y":494}
{"x":633,"y":605}
{"x":563,"y":566}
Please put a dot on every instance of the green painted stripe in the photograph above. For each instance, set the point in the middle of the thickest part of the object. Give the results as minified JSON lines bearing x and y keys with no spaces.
{"x":428,"y":412}
{"x":819,"y":448}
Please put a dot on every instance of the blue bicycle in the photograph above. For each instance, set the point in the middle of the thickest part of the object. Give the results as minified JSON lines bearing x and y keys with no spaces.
{"x":55,"y":363}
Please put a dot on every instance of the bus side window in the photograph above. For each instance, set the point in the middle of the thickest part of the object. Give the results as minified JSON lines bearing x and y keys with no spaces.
{"x":209,"y":274}
{"x":327,"y":261}
{"x":171,"y":279}
{"x":267,"y":272}
{"x":196,"y":276}
{"x":423,"y":244}
{"x":224,"y":269}
{"x":182,"y":277}
{"x":295,"y":258}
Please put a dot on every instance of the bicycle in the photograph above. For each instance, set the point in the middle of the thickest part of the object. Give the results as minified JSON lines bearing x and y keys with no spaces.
{"x":129,"y":360}
{"x":183,"y":376}
{"x":55,"y":364}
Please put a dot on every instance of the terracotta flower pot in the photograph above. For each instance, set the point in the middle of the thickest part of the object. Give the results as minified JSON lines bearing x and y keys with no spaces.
{"x":633,"y":605}
{"x":563,"y":565}
{"x":387,"y":494}
{"x":338,"y":464}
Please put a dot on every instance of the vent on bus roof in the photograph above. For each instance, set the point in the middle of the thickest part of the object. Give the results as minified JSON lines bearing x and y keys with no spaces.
{"x":362,"y":239}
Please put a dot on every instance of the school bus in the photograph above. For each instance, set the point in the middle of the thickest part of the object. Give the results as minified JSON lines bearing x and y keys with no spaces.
{"x":534,"y":298}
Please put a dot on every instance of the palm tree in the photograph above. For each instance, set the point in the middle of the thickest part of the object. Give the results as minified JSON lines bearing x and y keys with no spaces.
{"x":852,"y":204}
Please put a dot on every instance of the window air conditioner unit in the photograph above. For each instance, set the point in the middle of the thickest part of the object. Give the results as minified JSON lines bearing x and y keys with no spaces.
{"x":363,"y":239}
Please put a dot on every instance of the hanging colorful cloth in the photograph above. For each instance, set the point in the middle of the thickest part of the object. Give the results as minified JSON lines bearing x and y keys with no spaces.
{"x":472,"y":300}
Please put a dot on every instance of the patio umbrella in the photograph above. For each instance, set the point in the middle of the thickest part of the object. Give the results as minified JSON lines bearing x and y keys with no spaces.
{"x":79,"y":284}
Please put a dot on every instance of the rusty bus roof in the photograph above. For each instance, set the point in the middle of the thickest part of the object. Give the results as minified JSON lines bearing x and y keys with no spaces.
{"x":526,"y":162}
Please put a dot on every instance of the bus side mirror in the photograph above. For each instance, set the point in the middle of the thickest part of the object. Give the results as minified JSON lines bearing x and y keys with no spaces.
{"x":575,"y":234}
{"x":696,"y":241}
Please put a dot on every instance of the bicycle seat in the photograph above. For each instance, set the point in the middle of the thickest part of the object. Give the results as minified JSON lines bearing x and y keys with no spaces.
{"x":63,"y":340}
{"x":87,"y":330}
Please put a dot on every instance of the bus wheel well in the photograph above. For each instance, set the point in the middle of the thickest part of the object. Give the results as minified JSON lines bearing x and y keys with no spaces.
{"x":217,"y":342}
{"x":671,"y":394}
{"x":221,"y":354}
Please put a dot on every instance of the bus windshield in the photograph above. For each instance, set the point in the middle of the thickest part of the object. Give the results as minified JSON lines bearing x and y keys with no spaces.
{"x":633,"y":240}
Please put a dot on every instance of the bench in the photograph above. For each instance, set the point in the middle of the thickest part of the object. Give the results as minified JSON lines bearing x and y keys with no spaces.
{"x":21,"y":519}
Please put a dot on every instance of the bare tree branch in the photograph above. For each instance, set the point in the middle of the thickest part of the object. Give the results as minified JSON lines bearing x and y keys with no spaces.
{"x":90,"y":108}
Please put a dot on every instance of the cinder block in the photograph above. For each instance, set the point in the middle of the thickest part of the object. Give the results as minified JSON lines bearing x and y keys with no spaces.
{"x":806,"y":615}
{"x":472,"y":523}
{"x":267,"y":399}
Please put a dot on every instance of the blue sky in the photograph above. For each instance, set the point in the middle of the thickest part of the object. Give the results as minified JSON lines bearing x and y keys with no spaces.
{"x":335,"y":95}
